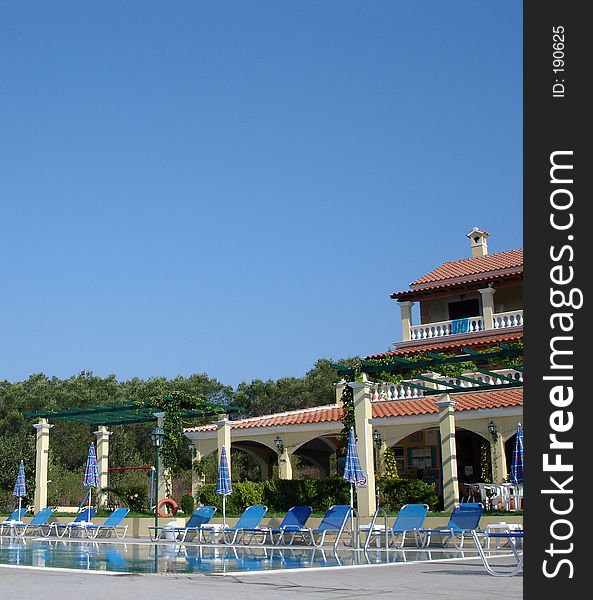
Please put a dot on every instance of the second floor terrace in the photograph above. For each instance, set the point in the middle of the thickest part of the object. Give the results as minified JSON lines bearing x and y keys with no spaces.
{"x":482,"y":293}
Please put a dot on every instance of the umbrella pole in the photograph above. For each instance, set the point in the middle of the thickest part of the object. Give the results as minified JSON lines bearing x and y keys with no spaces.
{"x":352,"y":511}
{"x":224,"y":512}
{"x":20,"y":501}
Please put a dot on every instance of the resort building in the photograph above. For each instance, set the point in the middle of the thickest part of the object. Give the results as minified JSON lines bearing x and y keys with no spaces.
{"x":449,"y":409}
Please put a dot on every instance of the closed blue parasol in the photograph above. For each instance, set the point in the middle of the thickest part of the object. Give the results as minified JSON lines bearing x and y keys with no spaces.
{"x":91,"y":472}
{"x":517,"y":463}
{"x":352,"y":469}
{"x":20,"y":489}
{"x":223,"y":483}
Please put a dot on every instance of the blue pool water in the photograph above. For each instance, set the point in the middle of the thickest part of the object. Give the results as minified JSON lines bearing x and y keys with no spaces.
{"x":173,"y":558}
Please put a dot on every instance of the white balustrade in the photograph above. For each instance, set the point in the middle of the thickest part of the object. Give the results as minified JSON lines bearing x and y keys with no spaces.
{"x":402,"y":391}
{"x":443,"y":328}
{"x":513,"y":318}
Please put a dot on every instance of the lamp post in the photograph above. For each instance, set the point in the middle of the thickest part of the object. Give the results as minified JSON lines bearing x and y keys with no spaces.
{"x":157,"y":435}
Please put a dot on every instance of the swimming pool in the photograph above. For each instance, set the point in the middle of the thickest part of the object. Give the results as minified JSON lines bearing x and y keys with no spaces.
{"x":165,"y":558}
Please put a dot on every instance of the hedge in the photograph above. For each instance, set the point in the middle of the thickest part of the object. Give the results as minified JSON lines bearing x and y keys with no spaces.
{"x":280,"y":494}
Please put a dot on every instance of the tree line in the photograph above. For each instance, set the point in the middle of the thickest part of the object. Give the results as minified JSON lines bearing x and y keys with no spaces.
{"x":130,"y":445}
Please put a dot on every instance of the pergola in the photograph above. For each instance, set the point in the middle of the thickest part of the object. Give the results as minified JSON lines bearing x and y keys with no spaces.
{"x":102,"y":416}
{"x":426,"y":364}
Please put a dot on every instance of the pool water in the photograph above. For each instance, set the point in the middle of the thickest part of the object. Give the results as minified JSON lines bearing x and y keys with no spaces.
{"x":163,"y":558}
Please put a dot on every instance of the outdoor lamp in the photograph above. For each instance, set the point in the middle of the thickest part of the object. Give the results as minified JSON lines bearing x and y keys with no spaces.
{"x":157,"y":435}
{"x":492,"y":429}
{"x":377,"y":438}
{"x":279,"y":444}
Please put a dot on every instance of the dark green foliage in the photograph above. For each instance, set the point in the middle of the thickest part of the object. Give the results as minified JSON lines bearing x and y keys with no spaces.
{"x":134,"y":496}
{"x":280,"y":494}
{"x":394,"y":493}
{"x":290,"y":393}
{"x":187,"y":504}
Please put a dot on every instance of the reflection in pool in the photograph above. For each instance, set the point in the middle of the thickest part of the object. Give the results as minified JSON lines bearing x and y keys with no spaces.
{"x":192,"y":559}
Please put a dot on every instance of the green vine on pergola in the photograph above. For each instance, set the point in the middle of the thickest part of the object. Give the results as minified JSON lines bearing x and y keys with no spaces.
{"x":171,"y":404}
{"x":445,"y":370}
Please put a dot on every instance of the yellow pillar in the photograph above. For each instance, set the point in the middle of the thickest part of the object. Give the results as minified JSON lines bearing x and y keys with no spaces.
{"x":363,"y":413}
{"x":284,"y":465}
{"x":448,"y":451}
{"x":406,"y":313}
{"x":102,"y":437}
{"x":41,"y":464}
{"x":488,"y":307}
{"x":224,"y":438}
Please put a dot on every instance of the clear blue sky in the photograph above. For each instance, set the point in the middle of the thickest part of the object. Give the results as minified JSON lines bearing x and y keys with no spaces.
{"x":236,"y":187}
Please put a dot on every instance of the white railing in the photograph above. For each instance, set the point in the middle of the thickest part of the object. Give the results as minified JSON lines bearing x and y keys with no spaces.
{"x":513,"y":318}
{"x":483,"y":378}
{"x":395,"y":391}
{"x":404,"y":391}
{"x":444,"y":328}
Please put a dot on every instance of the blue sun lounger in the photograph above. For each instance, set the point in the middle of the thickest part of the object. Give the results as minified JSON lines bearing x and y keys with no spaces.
{"x":293,"y":522}
{"x":82,"y":519}
{"x":111,"y":526}
{"x":502,"y":571}
{"x":463,"y":522}
{"x":249,"y":521}
{"x":195,"y":525}
{"x":16,"y":516}
{"x":334,"y":523}
{"x":35,"y":524}
{"x":410,"y":519}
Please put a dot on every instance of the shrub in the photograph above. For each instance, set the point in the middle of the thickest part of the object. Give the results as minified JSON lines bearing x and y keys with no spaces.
{"x":394,"y":493}
{"x":187,"y":504}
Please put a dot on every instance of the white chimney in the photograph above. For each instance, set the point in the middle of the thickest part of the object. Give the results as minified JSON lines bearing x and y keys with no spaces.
{"x":479,"y":240}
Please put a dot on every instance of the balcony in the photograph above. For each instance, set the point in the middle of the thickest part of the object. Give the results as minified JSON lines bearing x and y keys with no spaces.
{"x":407,"y":390}
{"x":428,"y":331}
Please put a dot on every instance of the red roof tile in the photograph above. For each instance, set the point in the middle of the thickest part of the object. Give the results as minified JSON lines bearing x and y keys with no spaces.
{"x":473,"y":266}
{"x":465,"y":401}
{"x":317,"y":414}
{"x":452,"y":343}
{"x":394,"y":408}
{"x":468,"y":270}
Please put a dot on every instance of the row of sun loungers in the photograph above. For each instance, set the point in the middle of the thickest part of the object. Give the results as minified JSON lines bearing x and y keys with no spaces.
{"x":340,"y":523}
{"x":81,"y":526}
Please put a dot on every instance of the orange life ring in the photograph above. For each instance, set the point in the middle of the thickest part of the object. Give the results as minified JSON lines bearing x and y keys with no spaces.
{"x":167,"y":502}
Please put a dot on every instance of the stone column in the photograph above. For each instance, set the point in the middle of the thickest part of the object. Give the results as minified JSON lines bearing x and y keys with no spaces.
{"x":498,"y":459}
{"x":224,"y":438}
{"x":406,"y":311}
{"x":41,"y":464}
{"x":363,"y":413}
{"x":284,"y":465}
{"x":488,"y":307}
{"x":448,"y":451}
{"x":102,"y":437}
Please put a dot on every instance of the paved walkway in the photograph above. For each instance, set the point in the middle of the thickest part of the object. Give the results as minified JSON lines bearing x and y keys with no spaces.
{"x":457,"y":579}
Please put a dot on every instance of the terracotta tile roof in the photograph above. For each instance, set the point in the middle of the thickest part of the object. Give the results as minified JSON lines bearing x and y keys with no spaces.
{"x":452,"y":343}
{"x":394,"y":408}
{"x":317,"y":414}
{"x":473,"y":266}
{"x":468,"y":270}
{"x":465,"y":401}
